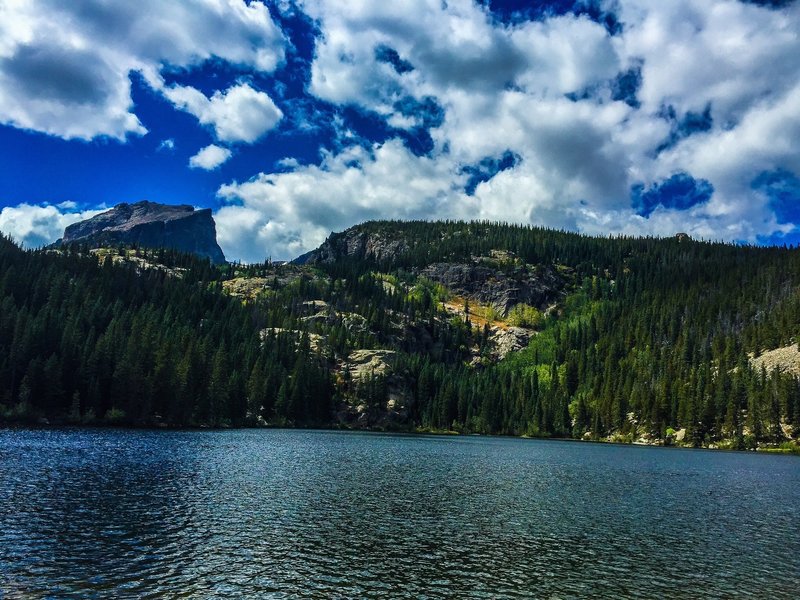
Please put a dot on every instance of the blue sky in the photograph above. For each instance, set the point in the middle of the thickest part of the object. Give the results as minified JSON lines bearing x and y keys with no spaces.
{"x":294,"y":119}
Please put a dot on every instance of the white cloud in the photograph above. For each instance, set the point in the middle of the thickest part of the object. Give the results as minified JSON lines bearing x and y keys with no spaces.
{"x":282,"y":215}
{"x":766,"y":138}
{"x":240,"y":114}
{"x":726,"y":53}
{"x":503,"y":87}
{"x":209,"y":158}
{"x":564,"y":54}
{"x":449,"y":45}
{"x":542,"y":90}
{"x":167,"y":145}
{"x":37,"y":225}
{"x":65,"y":66}
{"x":453,"y":47}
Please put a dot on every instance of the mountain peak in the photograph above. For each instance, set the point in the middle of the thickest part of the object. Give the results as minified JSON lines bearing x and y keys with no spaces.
{"x":152,"y":225}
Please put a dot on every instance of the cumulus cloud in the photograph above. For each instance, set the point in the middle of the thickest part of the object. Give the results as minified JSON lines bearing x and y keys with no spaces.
{"x":240,"y":114}
{"x":726,"y":54}
{"x":590,"y":116}
{"x":282,"y":215}
{"x":65,"y":66}
{"x":35,"y":225}
{"x":680,"y":91}
{"x":452,"y":47}
{"x":499,"y":88}
{"x":209,"y":158}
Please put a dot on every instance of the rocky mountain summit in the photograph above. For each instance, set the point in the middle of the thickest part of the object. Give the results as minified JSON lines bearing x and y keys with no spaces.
{"x":151,"y":225}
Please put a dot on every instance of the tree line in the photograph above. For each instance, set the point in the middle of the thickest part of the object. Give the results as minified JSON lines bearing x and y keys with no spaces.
{"x":653,"y":336}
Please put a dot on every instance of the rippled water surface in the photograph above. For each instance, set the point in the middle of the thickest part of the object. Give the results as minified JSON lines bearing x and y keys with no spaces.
{"x":290,"y":514}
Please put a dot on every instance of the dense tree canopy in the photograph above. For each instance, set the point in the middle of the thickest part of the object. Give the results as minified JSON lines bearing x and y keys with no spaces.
{"x":651,"y":336}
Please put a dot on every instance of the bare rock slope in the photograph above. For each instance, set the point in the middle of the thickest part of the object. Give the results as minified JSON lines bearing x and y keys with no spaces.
{"x":785,"y":360}
{"x":355,"y":243}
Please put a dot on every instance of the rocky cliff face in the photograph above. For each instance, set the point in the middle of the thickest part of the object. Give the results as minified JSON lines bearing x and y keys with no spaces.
{"x":355,"y":243}
{"x":500,"y":288}
{"x":500,"y":280}
{"x":151,"y":225}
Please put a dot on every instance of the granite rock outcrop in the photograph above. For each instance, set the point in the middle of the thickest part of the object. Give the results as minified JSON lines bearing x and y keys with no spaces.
{"x":151,"y":225}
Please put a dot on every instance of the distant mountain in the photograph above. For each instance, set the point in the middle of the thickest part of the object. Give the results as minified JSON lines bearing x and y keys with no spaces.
{"x":151,"y":225}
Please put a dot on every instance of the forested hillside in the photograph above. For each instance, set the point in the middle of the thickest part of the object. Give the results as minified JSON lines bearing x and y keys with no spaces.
{"x":471,"y":327}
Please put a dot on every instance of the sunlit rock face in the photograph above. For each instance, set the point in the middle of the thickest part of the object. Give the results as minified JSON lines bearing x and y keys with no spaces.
{"x":151,"y":225}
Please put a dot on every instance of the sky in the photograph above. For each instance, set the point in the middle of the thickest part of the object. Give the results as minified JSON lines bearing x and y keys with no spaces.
{"x":293,"y":119}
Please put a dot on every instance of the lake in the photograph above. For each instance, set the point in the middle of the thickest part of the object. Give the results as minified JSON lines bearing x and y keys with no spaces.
{"x":103,"y":513}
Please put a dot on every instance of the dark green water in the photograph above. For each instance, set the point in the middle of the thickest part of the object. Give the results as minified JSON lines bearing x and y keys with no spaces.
{"x":292,"y":514}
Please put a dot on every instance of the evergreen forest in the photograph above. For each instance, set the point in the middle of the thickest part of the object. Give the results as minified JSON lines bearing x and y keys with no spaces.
{"x":636,"y":339}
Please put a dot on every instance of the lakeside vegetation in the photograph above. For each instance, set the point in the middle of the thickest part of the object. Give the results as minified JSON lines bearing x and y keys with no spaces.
{"x":648,"y":341}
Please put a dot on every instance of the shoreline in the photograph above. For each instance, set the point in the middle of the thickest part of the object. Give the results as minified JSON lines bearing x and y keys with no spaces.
{"x":785,"y":448}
